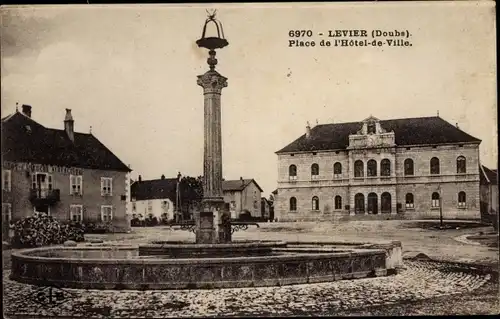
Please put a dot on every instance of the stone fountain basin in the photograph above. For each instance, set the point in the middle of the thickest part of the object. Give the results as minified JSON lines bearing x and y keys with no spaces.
{"x":123,"y":267}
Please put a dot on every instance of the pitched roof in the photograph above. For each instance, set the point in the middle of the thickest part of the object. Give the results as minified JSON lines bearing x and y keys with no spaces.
{"x":25,"y":140}
{"x":238,"y":184}
{"x":490,"y":175}
{"x":408,"y":131}
{"x":154,"y":189}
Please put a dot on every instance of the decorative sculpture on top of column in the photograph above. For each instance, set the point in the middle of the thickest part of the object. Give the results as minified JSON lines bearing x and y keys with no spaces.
{"x":213,"y":201}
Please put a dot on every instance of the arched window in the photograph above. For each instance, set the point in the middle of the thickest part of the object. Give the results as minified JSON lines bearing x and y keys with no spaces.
{"x":337,"y":170}
{"x":435,"y":200}
{"x":409,"y":200}
{"x":292,"y":172}
{"x":461,"y":166}
{"x":371,"y":128}
{"x":385,"y":167}
{"x":314,"y":171}
{"x":462,"y":200}
{"x":409,"y":171}
{"x":435,"y":166}
{"x":359,"y":169}
{"x":359,"y":203}
{"x":338,"y":202}
{"x":315,"y":203}
{"x":371,"y":168}
{"x":293,"y":204}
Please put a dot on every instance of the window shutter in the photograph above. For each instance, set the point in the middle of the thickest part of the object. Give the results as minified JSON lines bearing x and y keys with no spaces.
{"x":50,"y":181}
{"x":80,"y":184}
{"x":33,"y":181}
{"x":102,"y":190}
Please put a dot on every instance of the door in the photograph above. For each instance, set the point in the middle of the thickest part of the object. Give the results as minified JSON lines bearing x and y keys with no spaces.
{"x":42,"y":210}
{"x":359,"y":203}
{"x":386,"y":205}
{"x":372,"y":203}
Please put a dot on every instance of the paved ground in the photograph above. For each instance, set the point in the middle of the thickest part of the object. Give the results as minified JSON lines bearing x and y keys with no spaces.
{"x":419,"y":281}
{"x":422,"y":288}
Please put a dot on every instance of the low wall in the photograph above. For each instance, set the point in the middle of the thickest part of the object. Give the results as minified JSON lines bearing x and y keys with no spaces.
{"x":146,"y":273}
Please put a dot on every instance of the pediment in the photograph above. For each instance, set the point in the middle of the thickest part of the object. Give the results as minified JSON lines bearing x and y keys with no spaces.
{"x":371,"y":118}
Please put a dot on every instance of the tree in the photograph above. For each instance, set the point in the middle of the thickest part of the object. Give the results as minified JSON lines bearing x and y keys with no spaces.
{"x":191,"y":193}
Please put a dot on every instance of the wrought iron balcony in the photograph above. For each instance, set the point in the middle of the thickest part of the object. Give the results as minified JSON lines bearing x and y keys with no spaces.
{"x":42,"y":196}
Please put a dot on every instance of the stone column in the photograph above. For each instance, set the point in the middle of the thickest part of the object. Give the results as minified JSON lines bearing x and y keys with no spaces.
{"x":213,"y":200}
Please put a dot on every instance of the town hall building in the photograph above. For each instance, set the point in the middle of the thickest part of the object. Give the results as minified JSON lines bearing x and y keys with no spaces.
{"x":415,"y":167}
{"x":62,"y":173}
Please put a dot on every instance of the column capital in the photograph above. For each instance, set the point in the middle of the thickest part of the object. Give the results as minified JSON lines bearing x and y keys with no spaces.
{"x":212,"y":82}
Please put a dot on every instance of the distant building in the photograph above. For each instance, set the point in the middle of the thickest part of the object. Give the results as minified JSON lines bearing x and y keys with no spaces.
{"x":242,"y":195}
{"x":489,"y":191}
{"x":62,"y":173}
{"x":265,"y":206}
{"x":411,"y":166}
{"x":154,"y":197}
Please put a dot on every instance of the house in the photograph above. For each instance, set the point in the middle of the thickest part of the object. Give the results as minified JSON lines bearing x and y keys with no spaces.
{"x":156,"y":197}
{"x":60,"y":172}
{"x":488,"y":191}
{"x":243,"y":195}
{"x":416,"y":167}
{"x":264,"y":208}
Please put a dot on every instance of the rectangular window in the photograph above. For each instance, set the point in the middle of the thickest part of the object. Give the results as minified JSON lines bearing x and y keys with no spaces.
{"x":106,"y":213}
{"x":6,"y":180}
{"x":150,"y":206}
{"x":106,"y":186}
{"x":76,"y":213}
{"x":42,"y":182}
{"x":134,"y":207}
{"x":6,"y":213}
{"x":75,"y":184}
{"x":435,"y":203}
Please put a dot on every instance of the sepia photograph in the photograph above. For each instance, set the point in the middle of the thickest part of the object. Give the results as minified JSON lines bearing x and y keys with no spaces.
{"x":249,"y":160}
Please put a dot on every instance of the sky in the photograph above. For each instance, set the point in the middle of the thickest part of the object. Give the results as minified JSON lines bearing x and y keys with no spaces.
{"x":129,"y":72}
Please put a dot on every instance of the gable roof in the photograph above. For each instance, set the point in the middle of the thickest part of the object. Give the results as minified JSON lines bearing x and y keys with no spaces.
{"x":490,"y":175}
{"x":408,"y":131}
{"x":25,"y":140}
{"x":238,"y":184}
{"x":154,"y":189}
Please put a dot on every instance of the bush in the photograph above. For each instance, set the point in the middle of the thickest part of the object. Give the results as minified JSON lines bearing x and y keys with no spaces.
{"x":97,"y":228}
{"x":37,"y":231}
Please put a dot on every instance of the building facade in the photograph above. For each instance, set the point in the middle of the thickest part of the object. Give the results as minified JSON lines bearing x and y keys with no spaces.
{"x":155,"y":198}
{"x":413,"y":168}
{"x":242,"y":195}
{"x":489,"y":191}
{"x":66,"y":174}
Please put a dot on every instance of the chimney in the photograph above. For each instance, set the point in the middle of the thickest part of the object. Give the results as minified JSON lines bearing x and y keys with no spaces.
{"x":27,"y":110}
{"x":242,"y":181}
{"x":140,"y":178}
{"x":162,"y":176}
{"x":308,"y":130}
{"x":456,"y":124}
{"x":69,"y":125}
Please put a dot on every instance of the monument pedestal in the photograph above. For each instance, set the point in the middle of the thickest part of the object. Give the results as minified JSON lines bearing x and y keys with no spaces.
{"x":206,"y":232}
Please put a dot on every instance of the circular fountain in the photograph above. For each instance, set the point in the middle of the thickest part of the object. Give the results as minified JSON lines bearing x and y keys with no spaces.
{"x":213,"y":260}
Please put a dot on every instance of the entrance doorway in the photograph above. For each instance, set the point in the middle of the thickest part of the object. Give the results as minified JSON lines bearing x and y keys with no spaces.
{"x":385,"y":201}
{"x":359,"y":203}
{"x":41,"y":210}
{"x":372,"y":203}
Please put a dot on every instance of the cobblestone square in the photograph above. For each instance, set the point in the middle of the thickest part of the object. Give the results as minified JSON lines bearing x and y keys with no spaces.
{"x":421,"y":287}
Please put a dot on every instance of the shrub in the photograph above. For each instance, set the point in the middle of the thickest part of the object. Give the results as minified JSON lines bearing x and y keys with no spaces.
{"x":42,"y":230}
